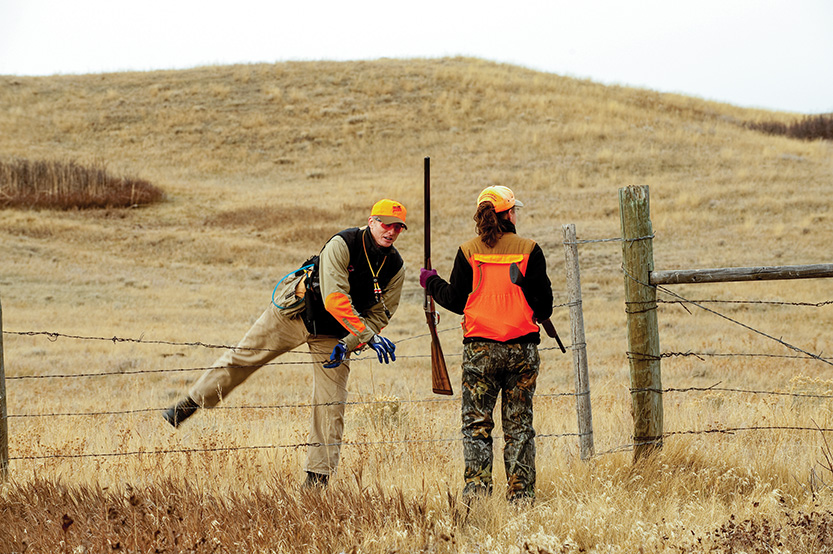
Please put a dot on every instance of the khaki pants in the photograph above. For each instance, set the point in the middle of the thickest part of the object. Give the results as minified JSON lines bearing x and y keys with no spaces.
{"x":272,"y":335}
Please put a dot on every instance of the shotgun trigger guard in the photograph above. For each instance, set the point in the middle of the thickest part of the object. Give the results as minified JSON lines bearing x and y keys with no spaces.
{"x":432,"y":315}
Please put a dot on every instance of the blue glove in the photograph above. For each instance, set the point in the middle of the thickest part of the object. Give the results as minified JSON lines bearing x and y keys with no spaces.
{"x":337,"y":356}
{"x":383,"y":348}
{"x":424,"y":274}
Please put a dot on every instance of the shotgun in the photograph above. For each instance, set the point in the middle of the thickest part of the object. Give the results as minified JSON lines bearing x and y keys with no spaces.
{"x":440,"y":382}
{"x":517,"y":278}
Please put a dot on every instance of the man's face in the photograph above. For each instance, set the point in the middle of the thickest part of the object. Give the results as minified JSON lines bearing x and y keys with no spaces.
{"x":383,"y":233}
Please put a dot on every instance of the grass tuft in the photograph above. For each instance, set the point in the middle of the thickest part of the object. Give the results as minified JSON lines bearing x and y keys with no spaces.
{"x":69,"y":185}
{"x":167,"y":516}
{"x":809,"y":128}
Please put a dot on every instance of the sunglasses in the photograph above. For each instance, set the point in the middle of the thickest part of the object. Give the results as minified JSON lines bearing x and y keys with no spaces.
{"x":389,"y":226}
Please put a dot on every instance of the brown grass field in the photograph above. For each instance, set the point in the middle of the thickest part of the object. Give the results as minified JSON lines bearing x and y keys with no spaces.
{"x":262,"y":163}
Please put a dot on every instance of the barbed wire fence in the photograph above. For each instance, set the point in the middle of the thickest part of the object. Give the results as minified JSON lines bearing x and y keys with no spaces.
{"x":582,"y":393}
{"x":54,"y":336}
{"x":643,"y":283}
{"x":634,"y":444}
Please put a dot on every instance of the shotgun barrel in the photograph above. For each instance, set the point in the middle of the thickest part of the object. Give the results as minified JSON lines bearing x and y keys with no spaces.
{"x":440,"y":383}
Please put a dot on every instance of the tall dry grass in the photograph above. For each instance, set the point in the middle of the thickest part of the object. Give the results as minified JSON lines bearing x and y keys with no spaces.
{"x":811,"y":127}
{"x":260,"y":164}
{"x":70,"y":185}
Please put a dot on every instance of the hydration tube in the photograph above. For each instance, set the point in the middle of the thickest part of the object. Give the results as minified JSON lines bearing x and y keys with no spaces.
{"x":300,"y":269}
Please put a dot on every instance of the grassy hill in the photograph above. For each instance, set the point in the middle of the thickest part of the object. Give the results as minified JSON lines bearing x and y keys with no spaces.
{"x":262,"y":163}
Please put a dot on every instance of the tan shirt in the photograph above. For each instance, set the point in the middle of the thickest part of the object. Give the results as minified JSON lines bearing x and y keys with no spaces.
{"x":334,"y":260}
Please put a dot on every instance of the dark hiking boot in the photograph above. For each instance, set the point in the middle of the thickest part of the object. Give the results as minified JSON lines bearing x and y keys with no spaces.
{"x":182,"y":411}
{"x":316,"y":480}
{"x":477,"y":489}
{"x":475,"y":494}
{"x":521,"y":500}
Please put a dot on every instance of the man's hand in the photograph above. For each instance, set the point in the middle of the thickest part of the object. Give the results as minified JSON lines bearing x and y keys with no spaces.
{"x":424,"y":274}
{"x":383,"y":348}
{"x":337,"y":356}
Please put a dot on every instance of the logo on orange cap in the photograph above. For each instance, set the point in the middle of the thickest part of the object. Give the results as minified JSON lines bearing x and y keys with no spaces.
{"x":389,"y":211}
{"x":502,"y":198}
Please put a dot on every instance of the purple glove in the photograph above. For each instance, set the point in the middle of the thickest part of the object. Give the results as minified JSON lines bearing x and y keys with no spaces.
{"x":424,"y":274}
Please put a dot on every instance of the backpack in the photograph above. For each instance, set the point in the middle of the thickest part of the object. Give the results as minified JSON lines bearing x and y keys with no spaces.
{"x":290,"y":292}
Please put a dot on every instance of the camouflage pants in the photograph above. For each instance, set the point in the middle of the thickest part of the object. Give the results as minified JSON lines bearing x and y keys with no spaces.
{"x":510,"y":369}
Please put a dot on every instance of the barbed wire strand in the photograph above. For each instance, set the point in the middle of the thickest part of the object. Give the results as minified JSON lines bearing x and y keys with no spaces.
{"x":733,"y":355}
{"x":727,"y":318}
{"x":259,"y":447}
{"x":715,"y":387}
{"x":769,"y":302}
{"x":748,"y":327}
{"x":150,"y":371}
{"x":188,"y":369}
{"x":727,"y":430}
{"x":176,"y":370}
{"x":616,"y":449}
{"x":614,"y":239}
{"x":53,"y":336}
{"x":283,"y":406}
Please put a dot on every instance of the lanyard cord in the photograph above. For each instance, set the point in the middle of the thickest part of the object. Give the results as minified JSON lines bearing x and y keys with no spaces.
{"x":377,"y":290}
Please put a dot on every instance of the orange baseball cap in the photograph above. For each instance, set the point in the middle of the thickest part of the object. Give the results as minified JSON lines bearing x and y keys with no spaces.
{"x":389,"y":211}
{"x":502,"y":198}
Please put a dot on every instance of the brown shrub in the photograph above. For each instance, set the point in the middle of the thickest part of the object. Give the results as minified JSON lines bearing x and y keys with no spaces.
{"x":70,"y":185}
{"x":810,"y":128}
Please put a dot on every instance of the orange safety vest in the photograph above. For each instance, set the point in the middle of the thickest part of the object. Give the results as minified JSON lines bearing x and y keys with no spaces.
{"x":496,"y":308}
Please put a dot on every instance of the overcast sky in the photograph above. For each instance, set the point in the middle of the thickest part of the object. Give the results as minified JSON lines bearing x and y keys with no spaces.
{"x":773,"y":54}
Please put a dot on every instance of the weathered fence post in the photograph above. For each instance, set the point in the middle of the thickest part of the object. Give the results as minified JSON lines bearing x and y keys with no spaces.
{"x":641,"y":309}
{"x":4,"y":428}
{"x":579,"y":346}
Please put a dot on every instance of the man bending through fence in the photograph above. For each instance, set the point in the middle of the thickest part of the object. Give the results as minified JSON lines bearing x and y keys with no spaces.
{"x":350,"y":291}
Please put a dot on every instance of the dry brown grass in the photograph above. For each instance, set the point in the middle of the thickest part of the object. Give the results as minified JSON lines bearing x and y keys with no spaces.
{"x":172,"y":517}
{"x":812,"y":127}
{"x":260,"y":164}
{"x":70,"y":185}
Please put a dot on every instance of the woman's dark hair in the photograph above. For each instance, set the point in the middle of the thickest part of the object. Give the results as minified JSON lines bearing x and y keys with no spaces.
{"x":488,"y":223}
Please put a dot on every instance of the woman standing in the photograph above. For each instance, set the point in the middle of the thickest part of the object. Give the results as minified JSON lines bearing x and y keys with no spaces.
{"x":500,"y":340}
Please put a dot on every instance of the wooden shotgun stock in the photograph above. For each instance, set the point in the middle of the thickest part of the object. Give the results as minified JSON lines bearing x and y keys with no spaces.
{"x":440,"y":382}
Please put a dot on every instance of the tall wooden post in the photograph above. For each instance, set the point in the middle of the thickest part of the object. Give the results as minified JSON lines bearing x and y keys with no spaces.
{"x":579,"y":345}
{"x":4,"y":428}
{"x":641,"y":309}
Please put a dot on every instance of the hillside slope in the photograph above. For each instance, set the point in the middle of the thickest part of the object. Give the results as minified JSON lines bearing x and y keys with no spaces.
{"x":262,"y":163}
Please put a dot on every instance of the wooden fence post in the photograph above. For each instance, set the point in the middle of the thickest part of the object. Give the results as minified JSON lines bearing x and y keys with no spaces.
{"x":641,"y":309}
{"x":579,"y":346}
{"x":4,"y":428}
